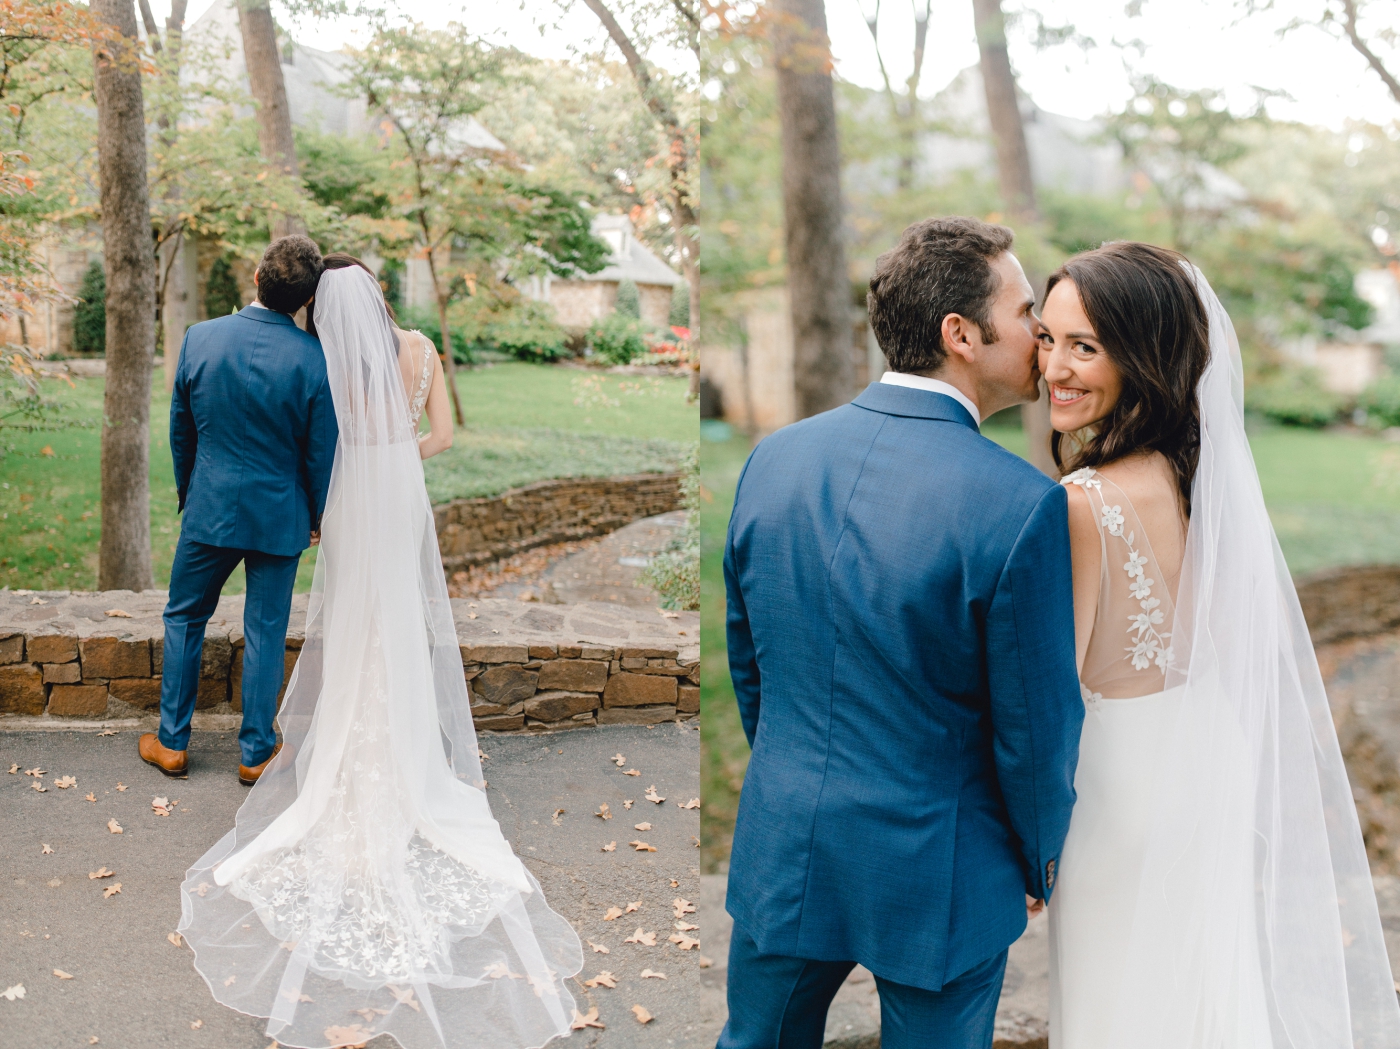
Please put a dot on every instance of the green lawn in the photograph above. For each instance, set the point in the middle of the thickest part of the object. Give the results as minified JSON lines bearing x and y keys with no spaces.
{"x":523,"y":426}
{"x":1334,"y":499}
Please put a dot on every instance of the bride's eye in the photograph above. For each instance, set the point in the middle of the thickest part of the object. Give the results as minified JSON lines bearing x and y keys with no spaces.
{"x":1085,"y":348}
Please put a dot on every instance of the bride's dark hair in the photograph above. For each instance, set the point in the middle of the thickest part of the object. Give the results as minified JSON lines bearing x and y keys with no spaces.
{"x":1143,"y":305}
{"x":339,"y":260}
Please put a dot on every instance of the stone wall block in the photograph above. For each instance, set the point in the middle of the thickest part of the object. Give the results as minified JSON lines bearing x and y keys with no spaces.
{"x":575,"y":675}
{"x":215,"y":658}
{"x":62,"y":674}
{"x":157,"y":656}
{"x":639,"y":690}
{"x":636,"y":715}
{"x":556,"y":706}
{"x":21,"y":689}
{"x":503,"y":723}
{"x":596,"y":652}
{"x":506,"y":684}
{"x":544,"y":652}
{"x":12,"y":648}
{"x":51,"y":648}
{"x":111,"y":657}
{"x":570,"y":651}
{"x":212,"y":692}
{"x":78,"y":701}
{"x":649,"y":653}
{"x":143,"y":692}
{"x":495,"y":654}
{"x":689,"y":700}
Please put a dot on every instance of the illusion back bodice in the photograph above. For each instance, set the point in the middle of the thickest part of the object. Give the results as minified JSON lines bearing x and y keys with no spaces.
{"x":420,"y":350}
{"x":1131,"y":641}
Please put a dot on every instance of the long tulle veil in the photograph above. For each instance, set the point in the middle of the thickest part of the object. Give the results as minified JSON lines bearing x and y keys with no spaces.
{"x":1254,"y":848}
{"x":366,"y":887}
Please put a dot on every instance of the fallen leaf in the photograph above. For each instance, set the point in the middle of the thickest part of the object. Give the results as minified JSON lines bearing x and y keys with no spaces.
{"x":618,"y":759}
{"x":634,"y":906}
{"x":557,"y":814}
{"x":195,"y":1025}
{"x":177,"y":940}
{"x":471,"y":615}
{"x":39,"y":787}
{"x":47,"y":850}
{"x":202,"y":888}
{"x":693,"y":803}
{"x":686,"y":927}
{"x":598,"y":948}
{"x":646,"y":939}
{"x":627,"y":804}
{"x":683,"y":941}
{"x":90,"y":796}
{"x":121,"y":786}
{"x":589,"y":1020}
{"x":108,"y":732}
{"x":647,"y":974}
{"x":405,"y":997}
{"x":117,"y":613}
{"x":675,"y":884}
{"x":47,"y":450}
{"x":613,"y":912}
{"x":632,"y":772}
{"x":643,"y":1017}
{"x":11,"y":993}
{"x":670,"y":615}
{"x":497,"y":970}
{"x":161,"y":806}
{"x":293,"y":996}
{"x":101,"y":872}
{"x":14,"y":768}
{"x":610,"y":847}
{"x":92,"y":1040}
{"x":230,"y":981}
{"x":62,"y":975}
{"x":603,"y":979}
{"x":36,"y":771}
{"x":652,"y":796}
{"x":353,"y":1036}
{"x":114,"y":826}
{"x":705,"y":963}
{"x":642,"y":826}
{"x":111,"y":890}
{"x":370,"y":1014}
{"x":603,"y":811}
{"x":682,"y":907}
{"x":641,"y":846}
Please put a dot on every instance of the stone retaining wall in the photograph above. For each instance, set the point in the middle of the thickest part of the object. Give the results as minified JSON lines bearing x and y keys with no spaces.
{"x":528,"y":667}
{"x":475,"y":531}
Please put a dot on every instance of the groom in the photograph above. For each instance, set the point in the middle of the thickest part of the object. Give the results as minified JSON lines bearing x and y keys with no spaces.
{"x":901,"y":641}
{"x":253,"y":434}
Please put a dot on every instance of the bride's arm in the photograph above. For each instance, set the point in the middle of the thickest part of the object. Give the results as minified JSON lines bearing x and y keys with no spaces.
{"x":439,"y":412}
{"x":1086,"y":552}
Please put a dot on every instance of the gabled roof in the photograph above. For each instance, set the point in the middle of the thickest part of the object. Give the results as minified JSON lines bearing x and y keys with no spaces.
{"x":631,"y":259}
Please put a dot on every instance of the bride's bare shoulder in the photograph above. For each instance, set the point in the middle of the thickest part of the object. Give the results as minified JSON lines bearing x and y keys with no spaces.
{"x":1149,"y":481}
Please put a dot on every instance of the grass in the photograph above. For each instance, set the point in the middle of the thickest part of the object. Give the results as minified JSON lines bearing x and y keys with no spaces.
{"x":524,"y":426}
{"x":1334,"y":499}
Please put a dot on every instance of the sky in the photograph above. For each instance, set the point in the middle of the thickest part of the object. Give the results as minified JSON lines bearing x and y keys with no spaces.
{"x":1187,"y":43}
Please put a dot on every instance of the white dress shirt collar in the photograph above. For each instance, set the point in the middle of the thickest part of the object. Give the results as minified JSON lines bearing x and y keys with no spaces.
{"x":258,"y":304}
{"x":923,"y":382}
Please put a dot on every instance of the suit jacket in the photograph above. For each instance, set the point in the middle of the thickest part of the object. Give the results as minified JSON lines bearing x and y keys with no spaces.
{"x":252,"y":432}
{"x":901,"y":642}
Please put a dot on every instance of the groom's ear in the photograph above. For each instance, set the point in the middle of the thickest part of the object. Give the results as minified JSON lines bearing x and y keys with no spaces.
{"x":961,"y":337}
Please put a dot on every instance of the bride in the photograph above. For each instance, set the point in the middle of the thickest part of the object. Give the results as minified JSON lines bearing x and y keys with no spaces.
{"x":366,"y":887}
{"x":1214,"y":891}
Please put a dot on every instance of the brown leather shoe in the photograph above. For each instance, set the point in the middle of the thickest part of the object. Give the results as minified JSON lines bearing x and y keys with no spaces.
{"x":248,"y":776}
{"x":171,"y":762}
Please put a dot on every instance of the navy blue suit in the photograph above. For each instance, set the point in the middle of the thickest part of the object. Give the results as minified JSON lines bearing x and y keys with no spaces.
{"x":252,"y":434}
{"x":901,"y":642}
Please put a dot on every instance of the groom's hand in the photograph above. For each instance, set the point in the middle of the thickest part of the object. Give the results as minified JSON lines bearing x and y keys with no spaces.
{"x":1033,"y":907}
{"x":316,"y":538}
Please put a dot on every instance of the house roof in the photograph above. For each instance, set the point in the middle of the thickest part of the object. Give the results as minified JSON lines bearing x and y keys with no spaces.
{"x":630,"y":259}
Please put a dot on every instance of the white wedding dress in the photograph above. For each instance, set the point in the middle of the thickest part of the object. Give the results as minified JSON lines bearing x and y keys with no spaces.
{"x":1213,"y":891}
{"x":366,"y":887}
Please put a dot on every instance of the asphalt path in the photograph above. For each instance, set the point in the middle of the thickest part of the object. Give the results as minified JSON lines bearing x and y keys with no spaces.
{"x":131,"y":988}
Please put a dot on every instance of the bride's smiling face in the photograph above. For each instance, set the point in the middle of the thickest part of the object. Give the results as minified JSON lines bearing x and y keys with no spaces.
{"x":1084,"y":383}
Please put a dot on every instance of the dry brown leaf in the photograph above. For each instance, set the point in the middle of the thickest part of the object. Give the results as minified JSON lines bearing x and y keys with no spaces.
{"x":631,"y":772}
{"x":36,"y":771}
{"x":39,"y":787}
{"x":196,"y":1025}
{"x":121,"y":786}
{"x":101,"y":872}
{"x":117,"y":613}
{"x":647,"y":974}
{"x":370,"y":1014}
{"x":161,"y":806}
{"x":675,"y":884}
{"x":683,"y":941}
{"x":598,"y":948}
{"x":590,"y":1019}
{"x":404,"y":997}
{"x":498,"y":970}
{"x":90,"y":796}
{"x":230,"y":981}
{"x":642,"y":826}
{"x":64,"y":782}
{"x":646,"y":939}
{"x":641,"y":846}
{"x":652,"y":796}
{"x":202,"y":888}
{"x":627,"y":804}
{"x":62,"y":975}
{"x":613,"y":912}
{"x":351,"y":1037}
{"x":603,"y":979}
{"x":618,"y":760}
{"x":92,"y":1040}
{"x":693,"y":803}
{"x":296,"y":996}
{"x":643,"y":1017}
{"x":11,"y":993}
{"x":177,"y":940}
{"x":555,"y":817}
{"x":114,"y":826}
{"x":604,"y":811}
{"x":610,"y":847}
{"x":14,"y":768}
{"x":108,"y":732}
{"x":47,"y":850}
{"x":686,"y":927}
{"x":704,"y":962}
{"x":682,"y":907}
{"x":111,"y":890}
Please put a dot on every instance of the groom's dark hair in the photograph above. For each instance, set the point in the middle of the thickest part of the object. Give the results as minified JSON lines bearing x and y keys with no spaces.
{"x":940,"y":266}
{"x":288,"y":273}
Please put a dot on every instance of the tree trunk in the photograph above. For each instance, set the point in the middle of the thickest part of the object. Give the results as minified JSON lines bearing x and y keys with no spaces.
{"x":177,"y":308}
{"x":264,"y":64}
{"x":1004,"y":112}
{"x":449,"y":366}
{"x":124,"y":557}
{"x":818,"y":284}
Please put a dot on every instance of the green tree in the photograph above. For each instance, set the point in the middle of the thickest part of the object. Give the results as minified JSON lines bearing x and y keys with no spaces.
{"x":629,"y":299}
{"x":221,"y":294}
{"x":90,"y":312}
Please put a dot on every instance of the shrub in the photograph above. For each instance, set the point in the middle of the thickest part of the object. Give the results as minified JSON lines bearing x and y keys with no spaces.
{"x":629,"y":299}
{"x":425,"y":319}
{"x":90,"y":313}
{"x":221,"y":294}
{"x":617,"y":339}
{"x":1381,"y":400}
{"x":1293,"y":398}
{"x":527,"y":331}
{"x":675,"y":572}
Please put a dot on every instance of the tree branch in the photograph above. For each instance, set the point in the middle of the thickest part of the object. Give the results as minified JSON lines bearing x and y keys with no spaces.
{"x":1354,"y":35}
{"x":149,"y":21}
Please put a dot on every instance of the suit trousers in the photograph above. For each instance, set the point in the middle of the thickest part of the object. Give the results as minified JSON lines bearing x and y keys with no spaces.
{"x":781,"y":1003}
{"x":196,"y":578}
